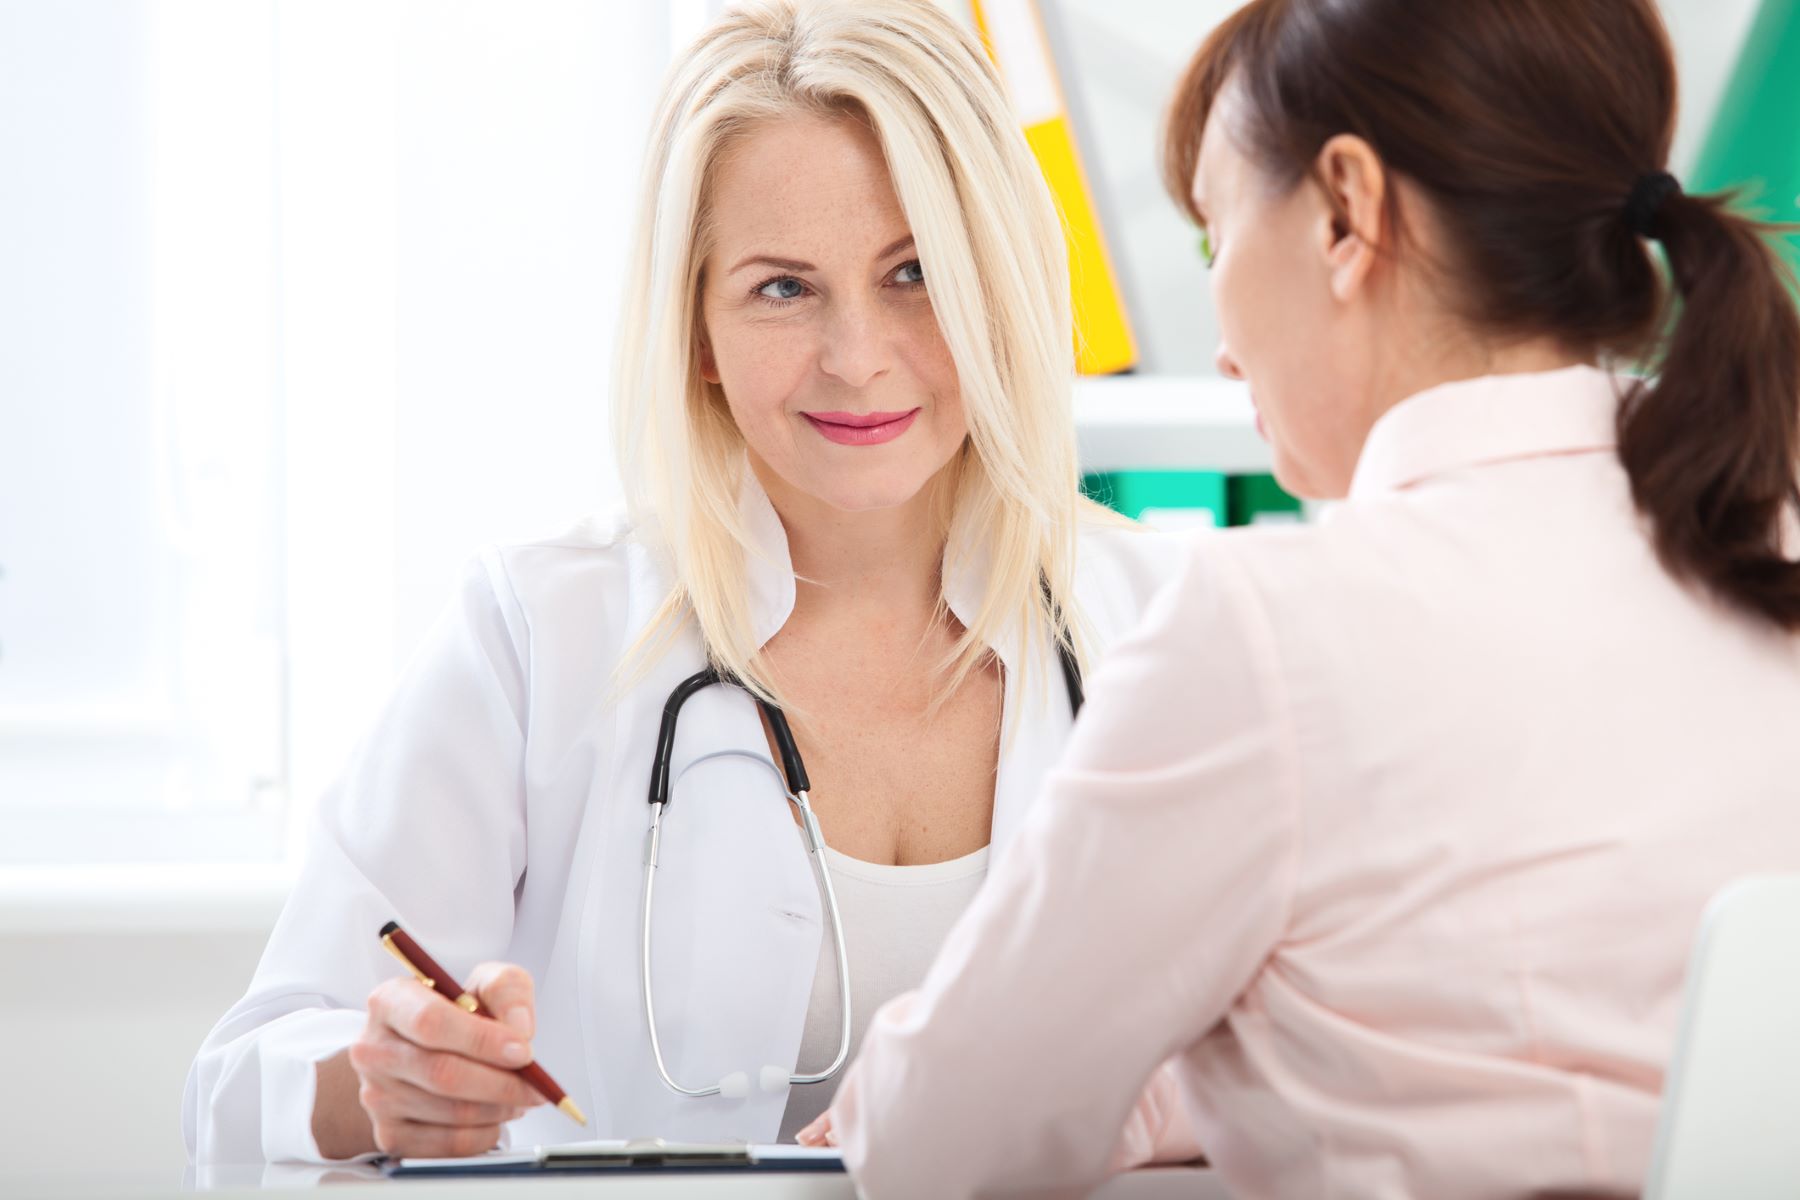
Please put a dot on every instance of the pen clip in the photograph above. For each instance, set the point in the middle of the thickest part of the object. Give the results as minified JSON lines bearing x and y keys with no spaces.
{"x":388,"y":941}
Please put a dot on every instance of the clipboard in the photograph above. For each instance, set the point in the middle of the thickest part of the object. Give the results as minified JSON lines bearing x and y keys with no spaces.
{"x":639,"y":1156}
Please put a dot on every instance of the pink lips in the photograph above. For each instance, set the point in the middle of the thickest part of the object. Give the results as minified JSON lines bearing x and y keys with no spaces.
{"x":861,"y":429}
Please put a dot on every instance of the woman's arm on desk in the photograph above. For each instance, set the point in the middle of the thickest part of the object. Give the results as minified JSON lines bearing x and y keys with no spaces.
{"x":427,"y":826}
{"x":1139,"y":900}
{"x":1157,"y":1131}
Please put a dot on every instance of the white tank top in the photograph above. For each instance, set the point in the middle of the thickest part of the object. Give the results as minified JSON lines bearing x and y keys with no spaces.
{"x":895,"y":919}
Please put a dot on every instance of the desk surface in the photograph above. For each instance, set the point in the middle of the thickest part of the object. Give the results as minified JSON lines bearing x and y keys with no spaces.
{"x":365,"y":1183}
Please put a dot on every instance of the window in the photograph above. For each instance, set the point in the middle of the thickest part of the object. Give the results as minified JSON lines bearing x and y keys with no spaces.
{"x":300,"y":304}
{"x":140,"y":609}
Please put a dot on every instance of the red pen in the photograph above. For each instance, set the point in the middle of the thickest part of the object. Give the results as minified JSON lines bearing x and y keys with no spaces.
{"x":425,"y":969}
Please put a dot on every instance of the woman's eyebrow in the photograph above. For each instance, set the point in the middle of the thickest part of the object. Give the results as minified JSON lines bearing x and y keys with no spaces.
{"x":786,"y":264}
{"x":794,"y":264}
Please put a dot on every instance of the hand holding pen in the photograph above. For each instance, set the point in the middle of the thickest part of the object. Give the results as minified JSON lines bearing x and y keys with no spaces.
{"x":439,"y":1072}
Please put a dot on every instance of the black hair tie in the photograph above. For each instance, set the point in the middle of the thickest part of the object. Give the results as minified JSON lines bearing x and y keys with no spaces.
{"x":1647,"y":197}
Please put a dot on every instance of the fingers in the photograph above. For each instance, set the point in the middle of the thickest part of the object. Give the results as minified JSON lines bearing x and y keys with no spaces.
{"x":394,"y":1099}
{"x":412,"y":1139}
{"x":819,"y":1133}
{"x":509,"y":994}
{"x":438,"y":1081}
{"x":420,"y":1016}
{"x":442,"y":1073}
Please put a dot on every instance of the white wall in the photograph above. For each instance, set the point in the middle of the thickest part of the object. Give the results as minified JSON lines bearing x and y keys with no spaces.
{"x":513,"y":224}
{"x":103,"y":1027}
{"x":455,"y":184}
{"x":493,"y":187}
{"x":109,"y":978}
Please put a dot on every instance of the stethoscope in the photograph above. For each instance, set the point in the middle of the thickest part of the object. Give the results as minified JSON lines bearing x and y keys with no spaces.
{"x":791,"y":776}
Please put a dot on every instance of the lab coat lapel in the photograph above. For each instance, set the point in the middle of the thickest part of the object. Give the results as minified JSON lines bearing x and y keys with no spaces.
{"x":1035,"y":720}
{"x":1034,"y":730}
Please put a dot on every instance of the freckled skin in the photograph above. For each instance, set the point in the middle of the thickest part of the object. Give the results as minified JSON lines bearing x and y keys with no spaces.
{"x":855,"y":332}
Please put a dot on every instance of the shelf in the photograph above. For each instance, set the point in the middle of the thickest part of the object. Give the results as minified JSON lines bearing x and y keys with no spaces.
{"x":1167,"y":423}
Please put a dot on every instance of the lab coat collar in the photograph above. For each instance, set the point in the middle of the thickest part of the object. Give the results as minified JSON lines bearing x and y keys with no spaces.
{"x":770,"y":572}
{"x":769,"y":567}
{"x":1493,"y":419}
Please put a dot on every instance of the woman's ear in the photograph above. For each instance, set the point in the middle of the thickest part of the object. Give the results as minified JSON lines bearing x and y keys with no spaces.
{"x":1356,"y":190}
{"x":709,"y":368}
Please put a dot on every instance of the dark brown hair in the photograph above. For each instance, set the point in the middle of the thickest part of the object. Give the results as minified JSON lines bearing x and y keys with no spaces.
{"x":1526,"y":125}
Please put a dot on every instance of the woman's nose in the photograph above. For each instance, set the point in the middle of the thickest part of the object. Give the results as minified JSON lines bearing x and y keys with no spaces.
{"x":1227,"y":365}
{"x":856,"y":345}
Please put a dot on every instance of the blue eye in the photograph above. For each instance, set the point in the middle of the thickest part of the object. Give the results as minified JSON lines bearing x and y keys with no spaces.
{"x":787,"y":289}
{"x":915,"y":267}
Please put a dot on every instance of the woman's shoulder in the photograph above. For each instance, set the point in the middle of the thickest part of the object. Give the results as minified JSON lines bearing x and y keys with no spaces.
{"x":1124,"y":566}
{"x":594,"y":574}
{"x":1117,"y":543}
{"x":1120,"y":565}
{"x":593,"y":542}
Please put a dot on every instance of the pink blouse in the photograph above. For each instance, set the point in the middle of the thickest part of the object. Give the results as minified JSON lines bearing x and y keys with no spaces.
{"x":1388,"y":835}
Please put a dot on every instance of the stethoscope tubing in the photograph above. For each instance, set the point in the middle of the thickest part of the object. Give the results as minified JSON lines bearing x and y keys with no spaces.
{"x":815,"y":845}
{"x":796,"y":787}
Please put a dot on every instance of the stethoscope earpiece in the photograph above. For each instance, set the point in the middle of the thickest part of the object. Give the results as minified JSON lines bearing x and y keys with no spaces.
{"x":736,"y":1086}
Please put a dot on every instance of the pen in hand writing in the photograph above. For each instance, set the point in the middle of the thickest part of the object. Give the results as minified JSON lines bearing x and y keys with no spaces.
{"x":427,"y":972}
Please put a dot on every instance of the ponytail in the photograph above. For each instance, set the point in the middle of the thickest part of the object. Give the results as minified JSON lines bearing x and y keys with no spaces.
{"x":1711,"y":442}
{"x":1521,"y":123}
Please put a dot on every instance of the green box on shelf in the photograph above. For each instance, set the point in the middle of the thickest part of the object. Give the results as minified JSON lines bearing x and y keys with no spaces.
{"x":1167,"y":499}
{"x":1254,"y":499}
{"x":1177,"y":499}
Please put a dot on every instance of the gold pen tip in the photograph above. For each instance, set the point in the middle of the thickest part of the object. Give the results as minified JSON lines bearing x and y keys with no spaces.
{"x":575,"y":1114}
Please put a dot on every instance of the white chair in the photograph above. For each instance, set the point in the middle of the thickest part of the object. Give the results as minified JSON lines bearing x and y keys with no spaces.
{"x":1730,"y":1124}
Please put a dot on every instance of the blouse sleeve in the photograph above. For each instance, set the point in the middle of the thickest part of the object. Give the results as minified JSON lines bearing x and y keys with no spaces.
{"x":1143,"y":894}
{"x":427,"y":827}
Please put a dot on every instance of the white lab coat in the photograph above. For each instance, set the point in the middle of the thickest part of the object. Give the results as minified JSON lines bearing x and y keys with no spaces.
{"x":499,"y":810}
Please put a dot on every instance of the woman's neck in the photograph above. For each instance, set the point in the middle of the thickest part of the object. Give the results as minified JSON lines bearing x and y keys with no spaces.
{"x":1469,"y":359}
{"x":886,"y":558}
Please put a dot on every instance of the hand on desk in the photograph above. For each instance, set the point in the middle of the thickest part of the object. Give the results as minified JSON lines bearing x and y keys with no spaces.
{"x":430,"y":1079}
{"x":819,"y":1133}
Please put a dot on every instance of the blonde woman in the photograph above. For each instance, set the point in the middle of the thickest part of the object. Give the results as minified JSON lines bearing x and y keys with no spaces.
{"x":843,"y":401}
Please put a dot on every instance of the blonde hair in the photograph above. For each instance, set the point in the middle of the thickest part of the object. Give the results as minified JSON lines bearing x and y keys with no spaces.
{"x":996,"y":262}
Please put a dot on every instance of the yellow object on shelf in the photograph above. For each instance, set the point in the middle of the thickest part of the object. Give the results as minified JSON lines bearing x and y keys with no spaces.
{"x":1013,"y":31}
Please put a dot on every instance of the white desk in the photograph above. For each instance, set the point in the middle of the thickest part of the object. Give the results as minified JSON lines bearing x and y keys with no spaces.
{"x":90,"y":1182}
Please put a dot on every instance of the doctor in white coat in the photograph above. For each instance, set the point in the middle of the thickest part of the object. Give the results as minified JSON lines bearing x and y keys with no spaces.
{"x":844,"y":429}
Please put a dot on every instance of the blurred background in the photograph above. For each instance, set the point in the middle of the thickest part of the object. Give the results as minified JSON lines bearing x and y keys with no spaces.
{"x":304,"y":301}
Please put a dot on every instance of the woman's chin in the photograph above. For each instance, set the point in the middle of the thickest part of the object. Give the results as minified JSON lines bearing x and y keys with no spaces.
{"x":1304,"y":482}
{"x":871,"y":491}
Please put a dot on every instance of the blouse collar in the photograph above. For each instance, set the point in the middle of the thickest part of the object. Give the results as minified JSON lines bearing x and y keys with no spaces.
{"x":1493,"y":419}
